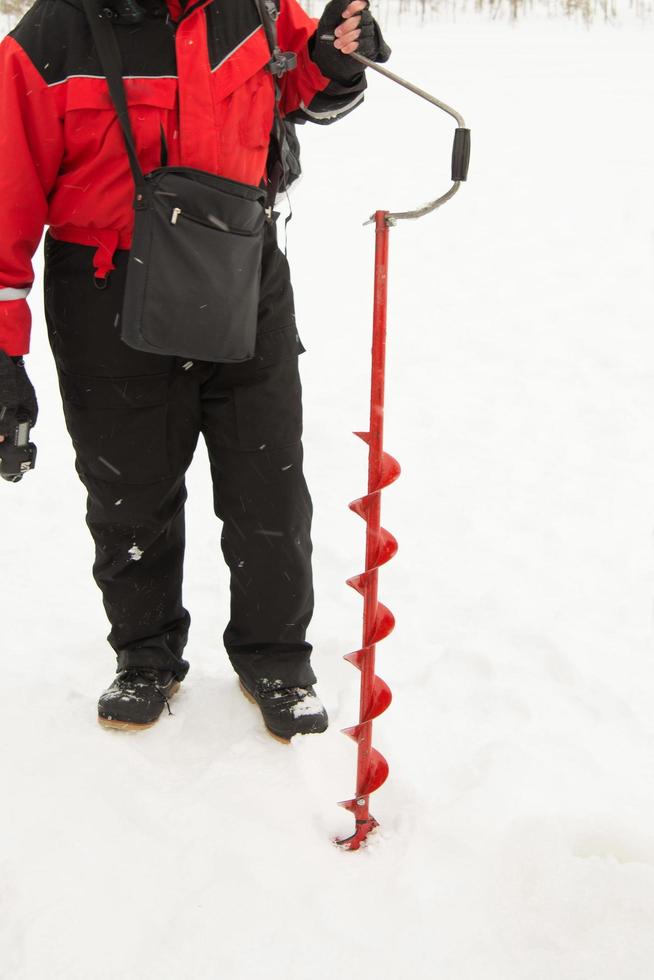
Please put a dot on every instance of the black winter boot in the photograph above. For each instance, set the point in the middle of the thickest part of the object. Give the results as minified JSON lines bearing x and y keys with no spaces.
{"x":287,"y":711}
{"x":136,"y":698}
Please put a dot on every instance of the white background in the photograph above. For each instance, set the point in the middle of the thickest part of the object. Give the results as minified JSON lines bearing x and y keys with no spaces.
{"x":516,"y":836}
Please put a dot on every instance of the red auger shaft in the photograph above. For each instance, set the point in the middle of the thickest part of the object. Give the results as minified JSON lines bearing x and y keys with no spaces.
{"x":376,"y":448}
{"x":378,"y":621}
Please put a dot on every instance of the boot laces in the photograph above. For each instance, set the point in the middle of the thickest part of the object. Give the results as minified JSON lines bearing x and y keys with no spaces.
{"x":140,"y":676}
{"x":283,"y":697}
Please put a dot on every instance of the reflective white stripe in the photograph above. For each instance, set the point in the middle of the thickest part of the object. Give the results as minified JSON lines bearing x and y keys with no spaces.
{"x":68,"y":78}
{"x":332,"y":113}
{"x":9,"y":293}
{"x":239,"y":45}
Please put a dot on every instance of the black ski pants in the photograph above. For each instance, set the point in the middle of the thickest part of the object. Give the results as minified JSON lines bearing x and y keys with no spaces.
{"x":134,"y":419}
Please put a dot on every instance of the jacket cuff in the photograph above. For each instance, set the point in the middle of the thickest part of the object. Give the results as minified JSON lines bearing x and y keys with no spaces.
{"x":309,"y":77}
{"x":15,"y":326}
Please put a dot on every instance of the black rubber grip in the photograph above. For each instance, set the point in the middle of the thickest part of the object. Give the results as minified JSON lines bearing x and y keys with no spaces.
{"x":461,"y":154}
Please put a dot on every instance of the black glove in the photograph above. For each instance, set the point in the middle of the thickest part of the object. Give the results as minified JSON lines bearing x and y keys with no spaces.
{"x":332,"y":62}
{"x":17,"y":397}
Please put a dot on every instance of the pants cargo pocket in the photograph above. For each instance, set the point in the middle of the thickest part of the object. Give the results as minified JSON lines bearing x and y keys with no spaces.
{"x":119,"y":426}
{"x":269,"y":407}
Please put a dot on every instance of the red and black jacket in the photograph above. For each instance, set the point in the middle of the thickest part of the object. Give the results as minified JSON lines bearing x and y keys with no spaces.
{"x":197,"y":90}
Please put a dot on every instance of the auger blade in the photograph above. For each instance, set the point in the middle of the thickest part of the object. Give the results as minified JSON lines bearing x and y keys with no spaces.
{"x":390,"y":468}
{"x":390,"y":471}
{"x":381,"y":695}
{"x":358,"y":582}
{"x":361,"y":506}
{"x":386,"y":547}
{"x":385,"y":544}
{"x":379,"y":701}
{"x":351,"y":805}
{"x":383,"y":624}
{"x":355,"y":731}
{"x":363,"y":826}
{"x":376,"y":775}
{"x":357,"y":658}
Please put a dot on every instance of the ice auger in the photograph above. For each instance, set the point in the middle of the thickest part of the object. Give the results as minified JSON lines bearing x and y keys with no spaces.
{"x":381,"y":546}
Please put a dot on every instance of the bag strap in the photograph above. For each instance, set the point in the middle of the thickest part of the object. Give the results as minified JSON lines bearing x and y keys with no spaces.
{"x":282,"y":61}
{"x":109,"y":54}
{"x":279,"y":64}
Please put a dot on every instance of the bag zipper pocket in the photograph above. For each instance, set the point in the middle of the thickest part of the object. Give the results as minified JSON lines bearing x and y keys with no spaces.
{"x":216,"y":224}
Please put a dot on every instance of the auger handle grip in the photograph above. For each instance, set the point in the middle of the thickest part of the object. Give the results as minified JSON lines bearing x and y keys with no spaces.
{"x":460,"y":154}
{"x":460,"y":149}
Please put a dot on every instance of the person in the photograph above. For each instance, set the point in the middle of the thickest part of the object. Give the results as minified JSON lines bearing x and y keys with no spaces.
{"x":199,"y":95}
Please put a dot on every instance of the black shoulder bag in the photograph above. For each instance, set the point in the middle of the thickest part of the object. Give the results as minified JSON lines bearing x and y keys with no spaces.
{"x":194,"y":268}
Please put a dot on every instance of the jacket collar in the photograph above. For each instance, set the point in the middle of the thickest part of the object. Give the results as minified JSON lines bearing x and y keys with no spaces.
{"x":126,"y":12}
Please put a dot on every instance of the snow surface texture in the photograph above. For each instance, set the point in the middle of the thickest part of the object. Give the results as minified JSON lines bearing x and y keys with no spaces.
{"x":516,"y":836}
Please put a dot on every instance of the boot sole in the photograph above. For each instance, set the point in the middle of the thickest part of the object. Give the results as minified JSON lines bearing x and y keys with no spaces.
{"x":134,"y":726}
{"x":278,"y":738}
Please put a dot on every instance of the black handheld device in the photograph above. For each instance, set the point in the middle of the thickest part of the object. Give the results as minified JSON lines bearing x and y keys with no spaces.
{"x":17,"y":453}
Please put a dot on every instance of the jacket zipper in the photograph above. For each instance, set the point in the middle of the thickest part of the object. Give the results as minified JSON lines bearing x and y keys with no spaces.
{"x":178,"y":213}
{"x":186,"y":12}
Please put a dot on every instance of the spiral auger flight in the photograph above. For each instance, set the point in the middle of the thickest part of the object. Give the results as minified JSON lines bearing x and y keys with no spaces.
{"x":381,"y":546}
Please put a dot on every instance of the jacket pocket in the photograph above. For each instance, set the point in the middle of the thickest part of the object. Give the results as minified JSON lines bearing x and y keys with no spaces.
{"x":255,"y":106}
{"x":91,"y":126}
{"x":119,"y":426}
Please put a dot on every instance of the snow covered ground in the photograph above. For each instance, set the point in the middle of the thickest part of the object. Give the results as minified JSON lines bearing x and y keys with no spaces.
{"x":516,"y":837}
